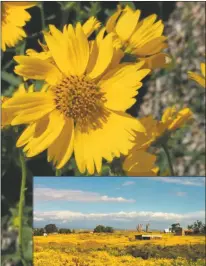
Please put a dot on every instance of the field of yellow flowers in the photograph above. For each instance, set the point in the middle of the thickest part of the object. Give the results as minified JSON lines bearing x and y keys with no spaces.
{"x":85,"y":249}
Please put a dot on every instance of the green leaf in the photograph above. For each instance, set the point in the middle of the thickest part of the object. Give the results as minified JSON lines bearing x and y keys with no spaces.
{"x":10,"y":78}
{"x":128,"y":3}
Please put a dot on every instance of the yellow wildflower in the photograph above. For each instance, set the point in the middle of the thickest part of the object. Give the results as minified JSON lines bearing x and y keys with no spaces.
{"x":142,"y":38}
{"x":90,"y":26}
{"x":173,"y":120}
{"x":13,"y":18}
{"x":197,"y":77}
{"x":140,"y":163}
{"x":138,"y":159}
{"x":80,"y":112}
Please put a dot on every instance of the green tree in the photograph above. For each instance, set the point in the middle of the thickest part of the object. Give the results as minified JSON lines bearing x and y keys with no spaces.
{"x":103,"y":229}
{"x":197,"y":227}
{"x":109,"y":229}
{"x":38,"y":232}
{"x":64,"y":231}
{"x":99,"y":229}
{"x":174,"y":227}
{"x":51,"y":228}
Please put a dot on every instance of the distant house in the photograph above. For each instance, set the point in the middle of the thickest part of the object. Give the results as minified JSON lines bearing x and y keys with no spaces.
{"x":45,"y":234}
{"x":147,"y":237}
{"x":179,"y":231}
{"x":189,"y":232}
{"x":167,"y":231}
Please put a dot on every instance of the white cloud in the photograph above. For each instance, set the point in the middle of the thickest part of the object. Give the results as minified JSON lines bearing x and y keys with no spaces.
{"x":188,"y":181}
{"x":129,"y":216}
{"x":181,"y":194}
{"x":51,"y":194}
{"x":128,"y":183}
{"x":37,"y":219}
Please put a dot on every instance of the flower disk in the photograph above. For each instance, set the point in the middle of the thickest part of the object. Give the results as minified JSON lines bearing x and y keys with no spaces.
{"x":79,"y":98}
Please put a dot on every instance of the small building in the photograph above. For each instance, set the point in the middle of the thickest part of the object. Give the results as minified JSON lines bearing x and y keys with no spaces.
{"x":45,"y":234}
{"x":189,"y":232}
{"x":179,"y":231}
{"x":167,"y":231}
{"x":147,"y":237}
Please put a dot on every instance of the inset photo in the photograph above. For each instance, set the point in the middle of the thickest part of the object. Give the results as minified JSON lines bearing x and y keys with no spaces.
{"x":118,"y":221}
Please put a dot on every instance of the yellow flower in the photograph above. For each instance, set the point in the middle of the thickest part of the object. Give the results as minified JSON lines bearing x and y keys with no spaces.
{"x":173,"y":120}
{"x":138,"y":158}
{"x":140,"y":163}
{"x":142,"y":38}
{"x":90,"y":25}
{"x":84,"y":108}
{"x":199,"y":78}
{"x":13,"y":18}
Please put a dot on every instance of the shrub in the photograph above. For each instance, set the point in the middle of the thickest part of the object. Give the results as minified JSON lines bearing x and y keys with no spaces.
{"x":103,"y":229}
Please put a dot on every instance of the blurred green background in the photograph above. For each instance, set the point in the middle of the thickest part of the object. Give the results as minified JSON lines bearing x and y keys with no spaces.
{"x":185,"y":28}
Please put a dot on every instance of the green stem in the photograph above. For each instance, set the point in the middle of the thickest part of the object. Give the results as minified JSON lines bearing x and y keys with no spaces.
{"x":168,"y":159}
{"x":21,"y":206}
{"x":8,"y":64}
{"x":57,"y":172}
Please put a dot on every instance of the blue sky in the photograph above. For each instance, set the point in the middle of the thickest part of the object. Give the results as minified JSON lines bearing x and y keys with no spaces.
{"x":122,"y":202}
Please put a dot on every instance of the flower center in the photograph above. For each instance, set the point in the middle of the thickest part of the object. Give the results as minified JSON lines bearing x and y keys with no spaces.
{"x":79,"y":98}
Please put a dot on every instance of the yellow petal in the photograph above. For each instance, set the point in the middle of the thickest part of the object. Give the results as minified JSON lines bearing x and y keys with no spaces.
{"x":90,"y":26}
{"x":82,"y":49}
{"x":90,"y":148}
{"x":6,"y":115}
{"x":196,"y":77}
{"x":203,"y":69}
{"x":51,"y":131}
{"x":183,"y":116}
{"x":152,"y":47}
{"x":118,"y":54}
{"x":62,"y":148}
{"x":104,"y":57}
{"x":11,"y":35}
{"x":112,"y":19}
{"x":124,"y":82}
{"x":28,"y":100}
{"x":62,"y":52}
{"x":140,"y":163}
{"x":93,"y":51}
{"x":23,"y":5}
{"x":127,"y":24}
{"x":31,"y":115}
{"x":35,"y":68}
{"x":156,"y":61}
{"x":169,"y":114}
{"x":26,"y":135}
{"x":29,"y":107}
{"x":100,"y":36}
